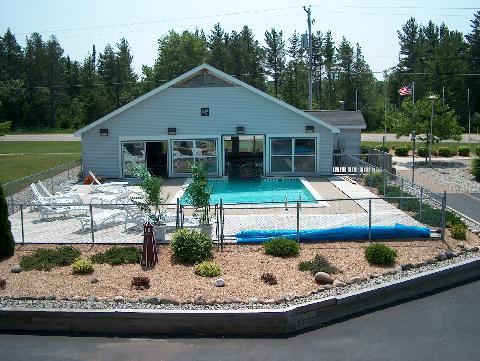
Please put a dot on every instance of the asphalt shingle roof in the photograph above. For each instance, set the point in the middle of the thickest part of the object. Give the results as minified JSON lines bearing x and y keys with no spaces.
{"x":340,"y":118}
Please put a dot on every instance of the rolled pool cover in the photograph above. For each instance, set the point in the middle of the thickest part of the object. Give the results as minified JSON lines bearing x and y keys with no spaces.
{"x":333,"y":234}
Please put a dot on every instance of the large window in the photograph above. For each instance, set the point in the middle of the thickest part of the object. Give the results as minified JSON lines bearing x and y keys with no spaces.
{"x":133,"y":155}
{"x":289,"y":155}
{"x":200,"y":151}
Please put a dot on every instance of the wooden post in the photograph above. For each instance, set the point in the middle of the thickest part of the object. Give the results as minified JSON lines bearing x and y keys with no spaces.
{"x":444,"y":210}
{"x":370,"y":220}
{"x":91,"y":223}
{"x":298,"y":222}
{"x":21,"y":220}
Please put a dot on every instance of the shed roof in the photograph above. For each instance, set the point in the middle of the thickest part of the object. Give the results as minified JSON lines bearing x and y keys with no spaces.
{"x":221,"y":75}
{"x":343,"y":119}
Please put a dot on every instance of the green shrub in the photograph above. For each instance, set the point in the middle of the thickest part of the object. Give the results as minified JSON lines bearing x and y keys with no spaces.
{"x":451,"y":219}
{"x":207,"y":269}
{"x":422,"y":151}
{"x":82,"y":266}
{"x":374,"y":179}
{"x":463,"y":151}
{"x":477,"y":151}
{"x":318,"y":264}
{"x":443,"y":151}
{"x":390,"y":191}
{"x":281,"y":247}
{"x":46,"y":259}
{"x":380,"y":254}
{"x":7,"y":244}
{"x":459,"y":231}
{"x":410,"y":204}
{"x":401,"y":151}
{"x":475,"y":168}
{"x":118,"y":255}
{"x":382,"y":148}
{"x":190,"y":246}
{"x":433,"y":217}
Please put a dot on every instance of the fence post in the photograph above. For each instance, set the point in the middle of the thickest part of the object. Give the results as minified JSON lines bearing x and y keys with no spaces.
{"x":91,"y":223}
{"x":444,"y":209}
{"x":51,"y":185}
{"x":181,"y":216}
{"x":421,"y":203}
{"x":298,"y":222}
{"x":68,"y":173}
{"x":401,"y":194}
{"x":177,"y":217}
{"x":221,"y":224}
{"x":21,"y":220}
{"x":370,"y":220}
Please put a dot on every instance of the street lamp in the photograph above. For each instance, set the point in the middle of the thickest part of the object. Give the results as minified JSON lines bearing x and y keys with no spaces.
{"x":430,"y":143}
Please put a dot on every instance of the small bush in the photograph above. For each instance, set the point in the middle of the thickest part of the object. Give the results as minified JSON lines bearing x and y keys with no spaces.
{"x":422,"y":151}
{"x":443,"y":151}
{"x":475,"y":168}
{"x":401,"y":151}
{"x":118,"y":255}
{"x":382,"y":148}
{"x":190,"y":246}
{"x":374,"y":179}
{"x":459,"y":231}
{"x":477,"y":151}
{"x":390,"y":191}
{"x":411,"y":204}
{"x":46,"y":259}
{"x":281,"y":247}
{"x":380,"y":254}
{"x":451,"y":219}
{"x":318,"y":264}
{"x":430,"y":216}
{"x":82,"y":266}
{"x":207,"y":269}
{"x":269,"y":279}
{"x":140,"y":282}
{"x":463,"y":151}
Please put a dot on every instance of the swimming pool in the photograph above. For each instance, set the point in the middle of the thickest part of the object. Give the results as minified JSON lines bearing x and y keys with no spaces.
{"x":260,"y":190}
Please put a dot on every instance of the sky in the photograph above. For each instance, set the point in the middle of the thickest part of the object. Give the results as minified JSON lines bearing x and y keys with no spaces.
{"x":80,"y":24}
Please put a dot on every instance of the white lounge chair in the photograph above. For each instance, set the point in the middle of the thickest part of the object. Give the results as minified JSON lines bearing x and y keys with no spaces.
{"x":40,"y":200}
{"x":47,"y":211}
{"x":109,"y":188}
{"x":118,"y":198}
{"x":57,"y":196}
{"x":103,"y":219}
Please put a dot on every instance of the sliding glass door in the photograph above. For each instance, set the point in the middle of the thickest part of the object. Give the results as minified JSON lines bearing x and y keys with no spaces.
{"x":198,"y":151}
{"x":292,"y":155}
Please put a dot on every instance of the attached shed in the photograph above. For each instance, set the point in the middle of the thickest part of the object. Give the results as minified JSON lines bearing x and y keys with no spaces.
{"x":350,"y":124}
{"x":208,"y":117}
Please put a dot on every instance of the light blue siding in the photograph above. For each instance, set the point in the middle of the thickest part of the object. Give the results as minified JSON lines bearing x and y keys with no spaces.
{"x":180,"y":108}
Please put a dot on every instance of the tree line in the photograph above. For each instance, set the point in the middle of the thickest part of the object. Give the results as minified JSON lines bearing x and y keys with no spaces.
{"x":41,"y":87}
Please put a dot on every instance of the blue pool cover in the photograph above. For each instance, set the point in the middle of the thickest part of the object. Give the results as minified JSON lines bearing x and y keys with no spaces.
{"x":333,"y":234}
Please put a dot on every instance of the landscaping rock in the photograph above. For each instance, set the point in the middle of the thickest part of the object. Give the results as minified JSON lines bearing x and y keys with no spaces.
{"x":119,"y":299}
{"x":374,"y":275}
{"x":150,"y":300}
{"x":358,"y":279}
{"x":407,"y":266}
{"x":449,"y":254}
{"x":3,"y":283}
{"x":16,"y":269}
{"x":338,"y":283}
{"x":390,"y":272}
{"x":168,"y":301}
{"x":219,"y":282}
{"x":78,"y":299}
{"x":431,"y":260}
{"x":253,"y":300}
{"x":92,"y":298}
{"x":94,"y":280}
{"x":469,"y":248}
{"x":289,"y":297}
{"x":199,"y":300}
{"x":327,"y":287}
{"x":398,"y":269}
{"x":441,"y":257}
{"x":50,"y":297}
{"x":461,"y":245}
{"x":323,"y":278}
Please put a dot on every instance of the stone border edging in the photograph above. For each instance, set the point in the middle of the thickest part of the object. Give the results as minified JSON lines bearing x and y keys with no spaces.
{"x":254,"y":322}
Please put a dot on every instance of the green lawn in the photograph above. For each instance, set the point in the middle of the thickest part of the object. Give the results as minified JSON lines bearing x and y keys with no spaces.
{"x":7,"y":147}
{"x":451,"y":145}
{"x":18,"y":166}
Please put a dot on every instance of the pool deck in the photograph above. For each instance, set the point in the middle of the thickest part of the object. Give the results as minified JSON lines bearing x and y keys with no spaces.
{"x":276,"y":216}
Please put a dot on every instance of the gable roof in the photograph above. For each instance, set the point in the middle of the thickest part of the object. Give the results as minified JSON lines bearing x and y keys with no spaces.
{"x":342,"y":119}
{"x":221,"y":75}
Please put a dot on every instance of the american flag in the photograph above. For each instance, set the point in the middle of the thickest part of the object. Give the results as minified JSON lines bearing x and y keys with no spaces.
{"x":406,"y":90}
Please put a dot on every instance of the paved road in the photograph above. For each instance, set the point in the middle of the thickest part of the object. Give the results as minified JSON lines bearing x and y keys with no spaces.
{"x":466,"y":203}
{"x":40,"y":137}
{"x":377,"y":137}
{"x":444,"y":326}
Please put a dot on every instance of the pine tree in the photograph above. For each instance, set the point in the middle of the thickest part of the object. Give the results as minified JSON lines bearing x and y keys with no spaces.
{"x":218,"y":57}
{"x":473,"y":41}
{"x":7,"y":244}
{"x":329,"y":61}
{"x":345,"y":64}
{"x":275,"y":56}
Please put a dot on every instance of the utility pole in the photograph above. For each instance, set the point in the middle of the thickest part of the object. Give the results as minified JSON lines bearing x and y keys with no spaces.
{"x":309,"y":20}
{"x":469,"y":120}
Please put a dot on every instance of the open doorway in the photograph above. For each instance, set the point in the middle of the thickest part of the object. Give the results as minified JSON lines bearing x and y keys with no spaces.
{"x":243,"y":155}
{"x":157,"y":163}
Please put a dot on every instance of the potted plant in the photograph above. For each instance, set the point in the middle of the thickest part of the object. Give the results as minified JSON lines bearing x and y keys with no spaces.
{"x":151,"y":205}
{"x":198,"y":195}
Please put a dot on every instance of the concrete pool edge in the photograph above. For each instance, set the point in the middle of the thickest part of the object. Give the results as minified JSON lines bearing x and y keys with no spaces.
{"x":245,"y":322}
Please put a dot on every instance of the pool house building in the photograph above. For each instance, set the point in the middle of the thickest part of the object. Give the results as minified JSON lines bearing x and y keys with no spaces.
{"x":208,"y":117}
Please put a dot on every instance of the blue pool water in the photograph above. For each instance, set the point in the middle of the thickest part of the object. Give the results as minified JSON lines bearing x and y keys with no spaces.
{"x":257,"y":191}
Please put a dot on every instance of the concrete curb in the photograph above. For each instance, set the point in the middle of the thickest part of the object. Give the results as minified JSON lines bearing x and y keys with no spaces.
{"x":235,"y":322}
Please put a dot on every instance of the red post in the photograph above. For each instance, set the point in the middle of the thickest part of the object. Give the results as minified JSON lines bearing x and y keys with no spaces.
{"x":149,"y":250}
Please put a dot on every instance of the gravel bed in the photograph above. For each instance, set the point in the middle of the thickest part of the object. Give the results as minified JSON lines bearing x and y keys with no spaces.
{"x":453,"y":175}
{"x":284,"y":302}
